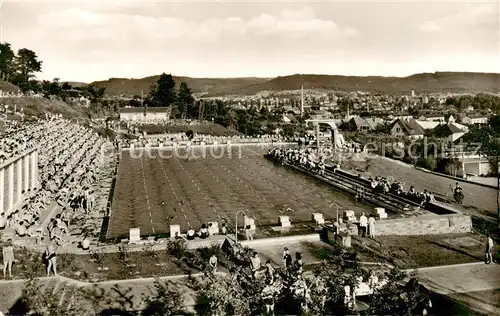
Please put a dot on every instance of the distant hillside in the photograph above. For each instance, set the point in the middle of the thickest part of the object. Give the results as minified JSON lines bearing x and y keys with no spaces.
{"x":455,"y":82}
{"x":8,"y":87}
{"x":421,"y":83}
{"x":212,"y":86}
{"x":77,"y":84}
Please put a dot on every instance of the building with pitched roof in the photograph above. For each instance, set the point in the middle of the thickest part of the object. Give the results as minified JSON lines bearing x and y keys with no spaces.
{"x":407,"y":128}
{"x":450,"y":132}
{"x":361,"y":124}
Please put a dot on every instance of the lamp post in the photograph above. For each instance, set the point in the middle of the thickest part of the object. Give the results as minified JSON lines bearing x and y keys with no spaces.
{"x":236,"y":225}
{"x":1,"y":21}
{"x":336,"y":205}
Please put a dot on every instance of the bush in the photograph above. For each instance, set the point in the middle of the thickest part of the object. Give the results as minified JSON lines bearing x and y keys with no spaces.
{"x":106,"y":132}
{"x":177,"y":247}
{"x":206,"y":252}
{"x":449,"y":166}
{"x":429,"y":163}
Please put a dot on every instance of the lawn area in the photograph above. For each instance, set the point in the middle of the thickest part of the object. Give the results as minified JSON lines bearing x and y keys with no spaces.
{"x":101,"y":266}
{"x":411,"y":252}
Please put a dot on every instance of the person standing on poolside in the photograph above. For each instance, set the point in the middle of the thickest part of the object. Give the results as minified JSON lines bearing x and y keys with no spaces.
{"x":371,"y":226}
{"x":489,"y":249}
{"x":8,"y":258}
{"x":50,"y":256}
{"x":255,"y":262}
{"x":287,"y":259}
{"x":363,"y":224}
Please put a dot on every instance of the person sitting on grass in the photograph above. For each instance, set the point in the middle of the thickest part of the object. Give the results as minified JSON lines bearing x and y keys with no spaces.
{"x":86,"y":243}
{"x":203,"y":231}
{"x":213,"y":264}
{"x":190,"y":234}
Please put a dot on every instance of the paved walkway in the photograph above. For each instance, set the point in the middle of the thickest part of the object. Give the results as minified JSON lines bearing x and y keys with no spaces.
{"x":472,"y":284}
{"x":485,"y":180}
{"x":461,"y":278}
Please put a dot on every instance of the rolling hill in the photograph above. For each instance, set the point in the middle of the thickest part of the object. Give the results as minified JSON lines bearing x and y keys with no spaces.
{"x":421,"y":83}
{"x":212,"y":86}
{"x":455,"y":82}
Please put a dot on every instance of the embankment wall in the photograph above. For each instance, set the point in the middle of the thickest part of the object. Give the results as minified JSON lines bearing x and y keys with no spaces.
{"x":425,"y":225}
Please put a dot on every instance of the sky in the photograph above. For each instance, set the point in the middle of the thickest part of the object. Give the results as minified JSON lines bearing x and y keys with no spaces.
{"x":92,"y":40}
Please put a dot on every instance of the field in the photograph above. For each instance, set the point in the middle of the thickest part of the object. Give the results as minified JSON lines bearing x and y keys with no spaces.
{"x":212,"y":188}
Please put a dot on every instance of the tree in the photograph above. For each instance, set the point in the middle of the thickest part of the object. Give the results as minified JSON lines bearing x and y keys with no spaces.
{"x":490,"y":148}
{"x":26,"y":64}
{"x":51,"y":88}
{"x":40,"y":302}
{"x":66,"y":86}
{"x":6,"y":61}
{"x":185,"y":101}
{"x":330,"y":281}
{"x":397,"y":297}
{"x":135,"y":101}
{"x":384,"y":128}
{"x":94,"y":93}
{"x":163,"y":92}
{"x":233,"y":294}
{"x":165,"y":301}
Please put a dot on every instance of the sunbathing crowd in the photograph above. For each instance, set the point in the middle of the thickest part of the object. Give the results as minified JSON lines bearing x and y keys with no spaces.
{"x":67,"y":161}
{"x":197,"y":139}
{"x":382,"y":185}
{"x":299,"y":157}
{"x":19,"y":138}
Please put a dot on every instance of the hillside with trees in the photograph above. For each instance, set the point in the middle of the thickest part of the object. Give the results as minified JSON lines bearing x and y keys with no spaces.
{"x":18,"y":74}
{"x":129,"y":87}
{"x":453,"y":82}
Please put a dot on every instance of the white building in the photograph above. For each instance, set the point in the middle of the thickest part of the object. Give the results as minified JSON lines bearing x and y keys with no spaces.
{"x":144,"y":114}
{"x":471,"y":120}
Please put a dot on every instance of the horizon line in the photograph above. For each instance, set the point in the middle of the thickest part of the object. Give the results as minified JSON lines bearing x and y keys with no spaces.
{"x":279,"y":76}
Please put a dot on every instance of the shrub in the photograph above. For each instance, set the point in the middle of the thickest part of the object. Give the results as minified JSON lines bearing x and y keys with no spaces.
{"x":177,"y":248}
{"x":429,"y":163}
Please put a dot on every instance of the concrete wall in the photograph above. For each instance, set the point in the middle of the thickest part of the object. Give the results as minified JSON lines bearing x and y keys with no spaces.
{"x":425,"y":225}
{"x":479,"y":168}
